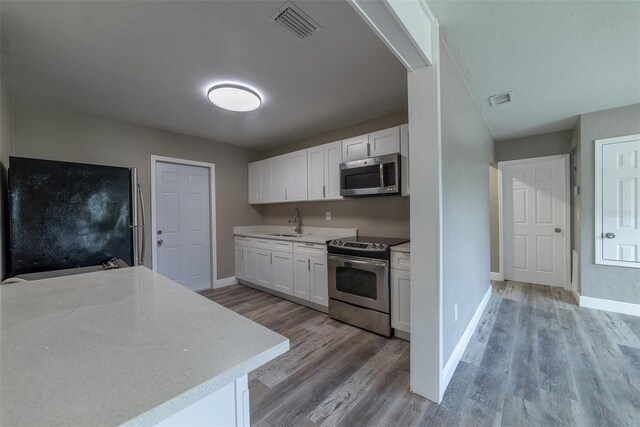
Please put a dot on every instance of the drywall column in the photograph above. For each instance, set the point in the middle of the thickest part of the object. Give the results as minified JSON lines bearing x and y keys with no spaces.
{"x":426,"y":230}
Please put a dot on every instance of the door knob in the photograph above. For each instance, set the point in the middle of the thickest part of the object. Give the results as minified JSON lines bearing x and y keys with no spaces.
{"x":159,"y":232}
{"x":160,"y":242}
{"x":558,"y":230}
{"x":610,"y":236}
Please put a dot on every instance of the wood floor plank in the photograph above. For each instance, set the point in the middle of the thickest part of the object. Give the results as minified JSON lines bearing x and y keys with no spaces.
{"x":535,"y":359}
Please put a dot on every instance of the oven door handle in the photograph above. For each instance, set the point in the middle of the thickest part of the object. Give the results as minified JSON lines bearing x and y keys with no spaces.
{"x":348,"y":261}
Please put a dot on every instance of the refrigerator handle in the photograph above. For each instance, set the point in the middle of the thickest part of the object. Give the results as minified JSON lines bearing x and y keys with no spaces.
{"x":142,"y":226}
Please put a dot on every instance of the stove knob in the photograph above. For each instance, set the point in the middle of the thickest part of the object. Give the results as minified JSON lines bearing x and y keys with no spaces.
{"x":333,"y":242}
{"x":340,"y":242}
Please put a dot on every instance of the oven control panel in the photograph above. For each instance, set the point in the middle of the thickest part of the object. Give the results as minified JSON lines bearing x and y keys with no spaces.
{"x":362,"y":246}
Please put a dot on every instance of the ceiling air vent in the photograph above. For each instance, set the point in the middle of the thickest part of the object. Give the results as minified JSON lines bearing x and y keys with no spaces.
{"x":501,"y":98}
{"x":295,"y":20}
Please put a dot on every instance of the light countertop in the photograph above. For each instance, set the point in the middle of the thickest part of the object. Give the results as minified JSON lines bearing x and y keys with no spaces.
{"x":121,"y":346}
{"x":404,"y":247}
{"x":309,"y":234}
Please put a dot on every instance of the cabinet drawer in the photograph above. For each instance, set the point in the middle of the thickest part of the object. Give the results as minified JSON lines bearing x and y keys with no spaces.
{"x":263,"y":243}
{"x":244,"y":241}
{"x":282,"y":246}
{"x":311,"y":248}
{"x":401,"y":260}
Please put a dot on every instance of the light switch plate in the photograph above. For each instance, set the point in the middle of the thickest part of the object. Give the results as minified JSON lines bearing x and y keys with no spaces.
{"x":327,"y":215}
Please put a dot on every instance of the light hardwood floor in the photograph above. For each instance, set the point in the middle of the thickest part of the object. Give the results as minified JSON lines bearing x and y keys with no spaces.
{"x":535,"y":359}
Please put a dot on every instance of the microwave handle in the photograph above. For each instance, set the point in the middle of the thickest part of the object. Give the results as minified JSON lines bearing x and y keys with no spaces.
{"x":382,"y":183}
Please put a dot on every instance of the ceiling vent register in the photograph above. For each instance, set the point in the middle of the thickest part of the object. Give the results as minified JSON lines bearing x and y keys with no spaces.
{"x":501,"y":98}
{"x":295,"y":20}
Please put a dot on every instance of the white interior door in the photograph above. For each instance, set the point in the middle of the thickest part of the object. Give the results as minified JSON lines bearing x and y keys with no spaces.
{"x":535,"y":209}
{"x":183,"y":223}
{"x":620,"y":213}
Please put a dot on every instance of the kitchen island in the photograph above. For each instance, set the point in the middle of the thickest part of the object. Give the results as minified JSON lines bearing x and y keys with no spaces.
{"x":124,"y":346}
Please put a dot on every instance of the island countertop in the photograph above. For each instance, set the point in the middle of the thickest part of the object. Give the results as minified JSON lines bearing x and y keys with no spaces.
{"x":118,"y":347}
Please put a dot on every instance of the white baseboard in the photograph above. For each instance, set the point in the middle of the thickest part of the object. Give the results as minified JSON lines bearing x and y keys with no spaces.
{"x":498,"y":277}
{"x":453,"y":361}
{"x":227,"y":281}
{"x":609,"y":305}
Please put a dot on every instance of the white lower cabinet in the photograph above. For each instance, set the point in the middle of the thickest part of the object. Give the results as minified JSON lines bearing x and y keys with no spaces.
{"x":263,"y":268}
{"x":282,"y":272}
{"x":400,"y":299}
{"x":298,"y":269}
{"x":401,"y":291}
{"x":302,"y":277}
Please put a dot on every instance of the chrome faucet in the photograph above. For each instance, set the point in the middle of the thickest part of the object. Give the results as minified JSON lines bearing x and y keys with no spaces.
{"x":296,"y":221}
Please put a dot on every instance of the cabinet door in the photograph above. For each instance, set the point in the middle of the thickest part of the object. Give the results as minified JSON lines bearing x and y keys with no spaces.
{"x":332,"y":160}
{"x":385,"y":141}
{"x":250,"y":265}
{"x":315,"y":173}
{"x":239,"y":262}
{"x":302,"y":276}
{"x":265,"y":181}
{"x":400,"y":299}
{"x":319,"y":290}
{"x":278,"y":179}
{"x":296,"y":171}
{"x":254,"y":182}
{"x":282,"y":272}
{"x":263,"y":268}
{"x":355,"y":148}
{"x":404,"y":159}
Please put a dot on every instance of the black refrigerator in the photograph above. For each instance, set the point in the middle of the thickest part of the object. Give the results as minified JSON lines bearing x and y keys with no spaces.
{"x":66,"y":215}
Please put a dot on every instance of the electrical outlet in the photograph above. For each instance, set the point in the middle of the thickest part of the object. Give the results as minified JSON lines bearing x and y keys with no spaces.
{"x":455,"y":312}
{"x":327,"y":215}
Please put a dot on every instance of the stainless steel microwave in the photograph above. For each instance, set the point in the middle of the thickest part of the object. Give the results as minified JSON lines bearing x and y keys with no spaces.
{"x":374,"y":176}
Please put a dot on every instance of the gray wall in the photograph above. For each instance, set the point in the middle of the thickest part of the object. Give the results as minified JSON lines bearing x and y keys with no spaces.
{"x":601,"y":281}
{"x":6,"y":147}
{"x":54,"y":133}
{"x":386,"y":217}
{"x":546,"y":144}
{"x":467,"y":150}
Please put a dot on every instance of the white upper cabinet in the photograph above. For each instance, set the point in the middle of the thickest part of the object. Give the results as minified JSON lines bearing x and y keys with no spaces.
{"x":333,"y":158}
{"x":315,"y":173}
{"x":265,"y":181}
{"x":278,"y":179}
{"x":254,"y":182}
{"x":384,"y":142}
{"x":296,"y":171}
{"x":355,"y":148}
{"x":323,"y":174}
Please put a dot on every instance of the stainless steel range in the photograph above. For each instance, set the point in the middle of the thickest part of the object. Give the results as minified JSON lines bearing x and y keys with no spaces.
{"x":359,"y":282}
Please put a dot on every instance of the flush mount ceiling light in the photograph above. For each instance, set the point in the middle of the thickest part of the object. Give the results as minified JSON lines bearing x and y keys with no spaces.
{"x":234,"y":97}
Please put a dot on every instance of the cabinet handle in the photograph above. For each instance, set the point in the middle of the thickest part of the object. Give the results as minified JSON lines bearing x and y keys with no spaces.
{"x":368,"y":149}
{"x":285,"y":194}
{"x":324,"y":194}
{"x":309,"y":264}
{"x":271,"y":257}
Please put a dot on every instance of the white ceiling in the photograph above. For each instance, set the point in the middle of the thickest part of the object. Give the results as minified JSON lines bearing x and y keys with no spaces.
{"x":561,"y":59}
{"x":151,"y":63}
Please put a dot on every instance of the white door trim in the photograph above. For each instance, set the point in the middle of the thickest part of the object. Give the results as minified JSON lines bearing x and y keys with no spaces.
{"x":567,"y":235}
{"x":600,"y":143}
{"x":212,"y":212}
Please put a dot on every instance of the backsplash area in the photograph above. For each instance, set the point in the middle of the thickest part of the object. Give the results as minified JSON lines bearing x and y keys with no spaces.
{"x":382,"y":216}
